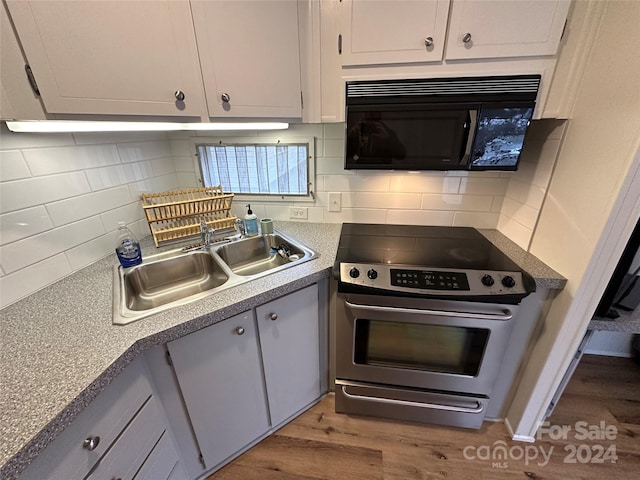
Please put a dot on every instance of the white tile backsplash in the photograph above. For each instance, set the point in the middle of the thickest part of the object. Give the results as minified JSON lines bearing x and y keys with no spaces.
{"x":36,"y":248}
{"x":91,"y":251}
{"x":107,"y":177}
{"x":24,"y":223}
{"x":527,"y":187}
{"x":31,"y":279}
{"x":424,"y":183}
{"x":83,"y":206}
{"x":47,"y":161}
{"x":33,"y":191}
{"x":62,"y":195}
{"x":13,"y":166}
{"x":420,"y":217}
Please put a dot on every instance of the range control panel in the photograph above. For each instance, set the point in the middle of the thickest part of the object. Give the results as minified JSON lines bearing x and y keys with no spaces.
{"x":429,"y":281}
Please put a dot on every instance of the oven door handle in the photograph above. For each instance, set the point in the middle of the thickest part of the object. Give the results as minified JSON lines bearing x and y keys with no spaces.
{"x":433,"y":406}
{"x":506,"y":314}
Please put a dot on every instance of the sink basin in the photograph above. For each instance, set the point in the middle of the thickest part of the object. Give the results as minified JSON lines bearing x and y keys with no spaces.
{"x":176,"y":277}
{"x":151,"y":285}
{"x":255,"y":255}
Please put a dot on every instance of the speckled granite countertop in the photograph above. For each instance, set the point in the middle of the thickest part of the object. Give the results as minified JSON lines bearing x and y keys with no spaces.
{"x":60,"y":349}
{"x":627,"y":322}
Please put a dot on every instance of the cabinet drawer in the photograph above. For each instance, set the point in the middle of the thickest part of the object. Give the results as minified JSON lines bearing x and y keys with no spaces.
{"x":162,"y":461}
{"x":106,"y":417}
{"x":125,"y":457}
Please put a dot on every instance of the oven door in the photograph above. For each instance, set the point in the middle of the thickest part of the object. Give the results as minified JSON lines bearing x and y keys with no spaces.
{"x":425,"y":344}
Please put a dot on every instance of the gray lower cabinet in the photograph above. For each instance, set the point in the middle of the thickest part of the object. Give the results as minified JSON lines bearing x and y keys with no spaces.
{"x":289,"y":336}
{"x":116,"y":436}
{"x":220,"y":377}
{"x":248,"y":374}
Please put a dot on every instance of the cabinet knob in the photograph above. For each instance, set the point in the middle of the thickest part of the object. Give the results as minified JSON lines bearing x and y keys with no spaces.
{"x":179,"y":95}
{"x":225,"y":97}
{"x":240,"y":330}
{"x":273,"y":316}
{"x":428,"y":41}
{"x":90,"y":443}
{"x":466,"y":38}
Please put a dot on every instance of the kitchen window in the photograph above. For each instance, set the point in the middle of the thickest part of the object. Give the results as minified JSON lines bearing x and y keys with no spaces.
{"x":271,"y":170}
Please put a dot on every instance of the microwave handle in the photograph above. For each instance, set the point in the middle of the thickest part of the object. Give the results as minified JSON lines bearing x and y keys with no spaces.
{"x":473,"y":120}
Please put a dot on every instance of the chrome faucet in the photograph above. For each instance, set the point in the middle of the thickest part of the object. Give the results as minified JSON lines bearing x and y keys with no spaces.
{"x":206,"y":233}
{"x":240,"y":227}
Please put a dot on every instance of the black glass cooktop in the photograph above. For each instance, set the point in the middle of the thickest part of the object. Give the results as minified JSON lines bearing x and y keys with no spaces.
{"x":420,"y":246}
{"x":426,"y":261}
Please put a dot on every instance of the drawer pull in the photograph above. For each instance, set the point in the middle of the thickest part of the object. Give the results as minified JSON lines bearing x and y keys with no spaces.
{"x":91,"y":443}
{"x":240,"y":330}
{"x":273,"y":316}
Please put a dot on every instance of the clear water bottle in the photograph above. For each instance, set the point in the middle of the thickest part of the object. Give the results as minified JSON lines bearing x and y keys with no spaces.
{"x":127,"y":247}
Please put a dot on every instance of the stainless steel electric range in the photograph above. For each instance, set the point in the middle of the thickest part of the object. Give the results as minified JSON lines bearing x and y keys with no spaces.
{"x":423,"y":318}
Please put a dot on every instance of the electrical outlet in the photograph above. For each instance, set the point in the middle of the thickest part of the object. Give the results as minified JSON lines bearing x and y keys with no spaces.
{"x":299,"y":213}
{"x":335,"y":202}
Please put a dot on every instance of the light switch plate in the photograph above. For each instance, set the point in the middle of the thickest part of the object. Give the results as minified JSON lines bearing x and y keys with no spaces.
{"x":334,"y":201}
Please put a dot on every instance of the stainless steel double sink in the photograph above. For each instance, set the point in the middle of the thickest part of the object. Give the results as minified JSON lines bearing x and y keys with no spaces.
{"x":176,"y":277}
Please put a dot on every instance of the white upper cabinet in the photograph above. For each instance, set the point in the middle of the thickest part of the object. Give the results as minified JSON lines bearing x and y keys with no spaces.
{"x":378,"y":32}
{"x":160,"y":57}
{"x":393,"y":31}
{"x":505,"y":28}
{"x":250,"y":57}
{"x":17,"y":99}
{"x":119,"y":58}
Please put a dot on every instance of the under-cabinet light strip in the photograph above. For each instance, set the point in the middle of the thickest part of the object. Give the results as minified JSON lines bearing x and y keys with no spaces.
{"x":51,"y":126}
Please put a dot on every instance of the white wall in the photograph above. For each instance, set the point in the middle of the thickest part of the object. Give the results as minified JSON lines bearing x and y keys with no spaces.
{"x":599,"y":154}
{"x":61,"y":197}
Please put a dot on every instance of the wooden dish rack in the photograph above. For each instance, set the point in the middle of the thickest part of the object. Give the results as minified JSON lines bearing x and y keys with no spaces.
{"x":177,"y":214}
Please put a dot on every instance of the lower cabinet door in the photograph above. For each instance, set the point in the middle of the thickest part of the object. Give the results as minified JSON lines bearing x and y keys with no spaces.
{"x":220,"y":376}
{"x":128,"y":453}
{"x":290,"y":340}
{"x":162,"y":462}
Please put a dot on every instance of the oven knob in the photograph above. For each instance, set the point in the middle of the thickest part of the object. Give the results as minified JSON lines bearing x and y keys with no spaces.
{"x":372,"y":274}
{"x":487,"y":280}
{"x":508,"y":282}
{"x":354,"y":273}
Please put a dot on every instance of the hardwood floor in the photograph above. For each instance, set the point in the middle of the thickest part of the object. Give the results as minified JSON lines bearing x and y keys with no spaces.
{"x":604,"y":393}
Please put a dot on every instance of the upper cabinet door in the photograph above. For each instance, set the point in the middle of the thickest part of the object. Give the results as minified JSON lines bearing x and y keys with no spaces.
{"x":393,"y":31}
{"x":250,"y":57}
{"x":112,"y":57}
{"x":505,"y":28}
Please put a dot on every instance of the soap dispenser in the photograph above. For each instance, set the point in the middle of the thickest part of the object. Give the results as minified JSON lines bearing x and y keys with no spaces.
{"x":251,"y":222}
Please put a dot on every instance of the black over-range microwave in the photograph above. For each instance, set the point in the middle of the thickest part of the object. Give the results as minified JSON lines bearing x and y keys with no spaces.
{"x":472,"y":123}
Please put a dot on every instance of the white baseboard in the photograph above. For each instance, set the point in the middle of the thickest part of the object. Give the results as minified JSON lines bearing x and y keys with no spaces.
{"x":518,"y":438}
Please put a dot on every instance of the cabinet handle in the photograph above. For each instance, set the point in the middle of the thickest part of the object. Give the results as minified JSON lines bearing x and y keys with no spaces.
{"x":90,"y":443}
{"x":466,"y":38}
{"x":179,"y":95}
{"x":240,"y":330}
{"x":225,"y":97}
{"x":428,"y":41}
{"x":273,"y":316}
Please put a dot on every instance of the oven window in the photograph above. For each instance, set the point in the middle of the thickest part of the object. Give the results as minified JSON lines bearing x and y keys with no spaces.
{"x":433,"y":348}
